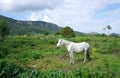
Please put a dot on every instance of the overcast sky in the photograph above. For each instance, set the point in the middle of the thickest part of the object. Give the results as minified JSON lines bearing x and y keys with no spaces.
{"x":81,"y":15}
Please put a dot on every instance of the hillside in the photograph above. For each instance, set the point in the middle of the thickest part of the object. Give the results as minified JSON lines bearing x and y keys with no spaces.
{"x":24,"y":27}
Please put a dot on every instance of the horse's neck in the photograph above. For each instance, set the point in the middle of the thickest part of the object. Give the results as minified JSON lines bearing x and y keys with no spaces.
{"x":67,"y":43}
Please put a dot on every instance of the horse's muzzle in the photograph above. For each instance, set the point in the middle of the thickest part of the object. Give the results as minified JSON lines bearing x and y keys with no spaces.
{"x":57,"y":46}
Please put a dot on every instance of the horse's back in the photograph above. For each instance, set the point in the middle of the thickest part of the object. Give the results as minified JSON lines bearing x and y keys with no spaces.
{"x":85,"y":43}
{"x":78,"y":47}
{"x":81,"y":44}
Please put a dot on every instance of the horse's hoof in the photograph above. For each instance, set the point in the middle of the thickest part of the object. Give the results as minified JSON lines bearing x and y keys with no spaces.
{"x":72,"y":63}
{"x":84,"y":62}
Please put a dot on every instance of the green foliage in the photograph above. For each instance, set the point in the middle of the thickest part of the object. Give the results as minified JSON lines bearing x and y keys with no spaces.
{"x":36,"y":56}
{"x":57,"y":33}
{"x":11,"y":71}
{"x":28,"y":73}
{"x":3,"y":51}
{"x":94,"y":53}
{"x":114,"y":35}
{"x":4,"y":30}
{"x":67,"y":32}
{"x":46,"y":33}
{"x":31,"y":55}
{"x":8,"y":70}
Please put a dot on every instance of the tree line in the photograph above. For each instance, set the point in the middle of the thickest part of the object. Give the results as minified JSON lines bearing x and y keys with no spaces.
{"x":66,"y":31}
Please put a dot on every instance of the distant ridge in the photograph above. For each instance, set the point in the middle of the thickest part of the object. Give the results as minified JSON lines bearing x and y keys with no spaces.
{"x":19,"y":27}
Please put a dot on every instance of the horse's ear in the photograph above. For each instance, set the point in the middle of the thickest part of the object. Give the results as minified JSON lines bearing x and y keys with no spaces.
{"x":60,"y":39}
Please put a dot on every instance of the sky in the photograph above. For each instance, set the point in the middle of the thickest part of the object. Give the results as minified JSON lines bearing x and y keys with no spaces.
{"x":81,"y":15}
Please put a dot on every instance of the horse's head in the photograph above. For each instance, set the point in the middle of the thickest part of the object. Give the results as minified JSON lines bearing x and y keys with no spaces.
{"x":60,"y":42}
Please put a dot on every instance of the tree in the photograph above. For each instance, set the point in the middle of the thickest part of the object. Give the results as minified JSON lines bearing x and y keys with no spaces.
{"x":67,"y":32}
{"x":4,"y":29}
{"x":108,"y":28}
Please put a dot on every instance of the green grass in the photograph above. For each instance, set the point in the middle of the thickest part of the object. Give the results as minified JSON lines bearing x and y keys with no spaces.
{"x":38,"y":53}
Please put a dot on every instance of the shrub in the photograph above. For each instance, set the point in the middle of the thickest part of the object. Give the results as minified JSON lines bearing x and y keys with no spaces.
{"x":8,"y":70}
{"x":4,"y":50}
{"x":46,"y":33}
{"x":31,"y":55}
{"x":67,"y":32}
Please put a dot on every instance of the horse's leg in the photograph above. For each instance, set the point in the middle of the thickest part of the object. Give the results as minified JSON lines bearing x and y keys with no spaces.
{"x":85,"y":58}
{"x":71,"y":57}
{"x":88,"y":54}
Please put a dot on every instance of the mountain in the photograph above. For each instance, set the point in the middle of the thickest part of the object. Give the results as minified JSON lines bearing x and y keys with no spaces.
{"x":24,"y":27}
{"x":18,"y":27}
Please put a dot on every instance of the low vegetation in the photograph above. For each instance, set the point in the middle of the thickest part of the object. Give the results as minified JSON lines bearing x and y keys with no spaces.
{"x":37,"y":57}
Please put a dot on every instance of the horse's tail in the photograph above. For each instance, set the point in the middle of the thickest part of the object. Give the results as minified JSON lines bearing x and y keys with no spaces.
{"x":88,"y":54}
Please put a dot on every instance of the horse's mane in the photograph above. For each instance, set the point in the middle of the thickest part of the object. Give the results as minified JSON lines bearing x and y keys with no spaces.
{"x":66,"y":40}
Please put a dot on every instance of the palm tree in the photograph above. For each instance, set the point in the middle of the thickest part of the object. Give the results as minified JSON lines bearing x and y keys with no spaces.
{"x":109,"y":28}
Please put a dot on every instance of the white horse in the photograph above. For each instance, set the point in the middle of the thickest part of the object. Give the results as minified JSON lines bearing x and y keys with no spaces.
{"x":75,"y":47}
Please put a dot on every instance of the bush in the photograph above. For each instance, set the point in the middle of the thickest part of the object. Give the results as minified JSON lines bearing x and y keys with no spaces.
{"x":4,"y":50}
{"x":46,"y":33}
{"x":8,"y":70}
{"x":57,"y":33}
{"x":31,"y":55}
{"x":29,"y":73}
{"x":67,"y":32}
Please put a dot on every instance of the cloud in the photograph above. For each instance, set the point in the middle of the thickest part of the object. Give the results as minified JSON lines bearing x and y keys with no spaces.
{"x":116,"y":26}
{"x":84,"y":20}
{"x":35,"y":17}
{"x":81,"y":15}
{"x":47,"y":19}
{"x":27,"y":5}
{"x":84,"y":16}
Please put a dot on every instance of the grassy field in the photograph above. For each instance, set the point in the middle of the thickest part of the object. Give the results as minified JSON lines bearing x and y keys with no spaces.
{"x":37,"y":57}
